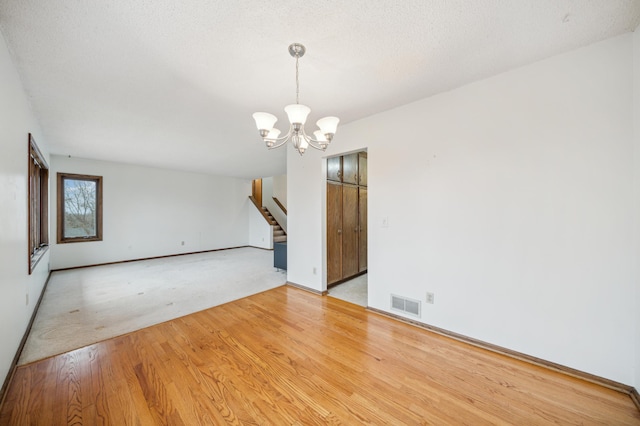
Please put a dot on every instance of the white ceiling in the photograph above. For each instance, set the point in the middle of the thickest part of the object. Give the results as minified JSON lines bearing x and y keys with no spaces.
{"x":173,"y":84}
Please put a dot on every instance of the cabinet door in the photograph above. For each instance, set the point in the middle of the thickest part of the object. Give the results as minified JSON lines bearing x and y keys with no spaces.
{"x":362,"y":230}
{"x":350,"y":168}
{"x":334,"y":232}
{"x":334,"y":169}
{"x":349,"y":231}
{"x":362,"y":168}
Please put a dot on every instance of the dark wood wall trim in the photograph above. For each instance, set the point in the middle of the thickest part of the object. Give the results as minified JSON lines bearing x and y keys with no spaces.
{"x":611,"y":384}
{"x":311,"y":290}
{"x":14,"y":363}
{"x":262,"y":212}
{"x":260,"y":248}
{"x":283,"y":208}
{"x":146,"y":258}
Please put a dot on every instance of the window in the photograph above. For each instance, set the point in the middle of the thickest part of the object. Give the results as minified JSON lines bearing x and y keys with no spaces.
{"x":38,"y":204}
{"x":79,"y":208}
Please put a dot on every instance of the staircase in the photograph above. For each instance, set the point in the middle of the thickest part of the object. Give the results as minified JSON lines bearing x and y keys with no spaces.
{"x":279,"y":236}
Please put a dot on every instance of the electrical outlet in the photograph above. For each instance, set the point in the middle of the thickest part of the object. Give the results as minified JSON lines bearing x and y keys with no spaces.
{"x":315,"y":271}
{"x":182,"y":243}
{"x":385,"y":222}
{"x":430,"y":298}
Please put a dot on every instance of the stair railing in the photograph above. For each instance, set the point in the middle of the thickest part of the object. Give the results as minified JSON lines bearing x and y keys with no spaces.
{"x":283,"y":208}
{"x":264,"y":214}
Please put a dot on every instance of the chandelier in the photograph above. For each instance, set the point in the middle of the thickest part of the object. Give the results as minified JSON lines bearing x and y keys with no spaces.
{"x":297,"y":114}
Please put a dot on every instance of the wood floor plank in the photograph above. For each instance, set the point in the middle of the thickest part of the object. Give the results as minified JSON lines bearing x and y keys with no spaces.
{"x":287,"y":356}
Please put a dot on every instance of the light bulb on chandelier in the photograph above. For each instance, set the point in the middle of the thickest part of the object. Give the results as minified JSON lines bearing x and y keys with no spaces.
{"x":297,"y":115}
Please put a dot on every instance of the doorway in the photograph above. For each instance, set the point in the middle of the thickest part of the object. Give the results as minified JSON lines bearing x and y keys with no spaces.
{"x":346,"y":227}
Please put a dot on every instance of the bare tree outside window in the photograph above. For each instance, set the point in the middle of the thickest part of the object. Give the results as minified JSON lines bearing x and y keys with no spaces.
{"x":79,"y":208}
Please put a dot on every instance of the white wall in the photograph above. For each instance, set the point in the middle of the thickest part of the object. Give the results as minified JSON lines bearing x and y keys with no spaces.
{"x":280,"y":189}
{"x":149,"y":212}
{"x":510,"y":199}
{"x":260,"y":232}
{"x":16,"y":285}
{"x":306,"y":224}
{"x":636,"y":214}
{"x":268,"y":192}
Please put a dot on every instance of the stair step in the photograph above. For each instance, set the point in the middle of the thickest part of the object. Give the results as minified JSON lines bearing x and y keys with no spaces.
{"x":280,"y":239}
{"x":278,"y":233}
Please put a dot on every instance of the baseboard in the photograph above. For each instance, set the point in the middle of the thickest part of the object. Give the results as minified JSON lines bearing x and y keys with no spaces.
{"x":14,"y":363}
{"x":148,"y":258}
{"x":311,"y":290}
{"x":260,"y":248}
{"x":601,"y":381}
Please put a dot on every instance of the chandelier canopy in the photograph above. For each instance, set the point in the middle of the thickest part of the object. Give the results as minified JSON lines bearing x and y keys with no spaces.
{"x":297,"y":114}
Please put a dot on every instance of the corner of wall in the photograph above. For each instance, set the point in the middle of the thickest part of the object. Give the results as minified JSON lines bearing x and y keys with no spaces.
{"x":636,"y":192}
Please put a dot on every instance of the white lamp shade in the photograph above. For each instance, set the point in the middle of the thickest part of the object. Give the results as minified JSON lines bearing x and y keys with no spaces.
{"x":273,"y":134}
{"x":264,"y":120}
{"x":320,"y":137}
{"x":328,"y":124}
{"x":297,"y":113}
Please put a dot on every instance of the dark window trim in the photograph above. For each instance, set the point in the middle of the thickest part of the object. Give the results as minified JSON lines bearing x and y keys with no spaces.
{"x":60,"y":208}
{"x":38,"y":199}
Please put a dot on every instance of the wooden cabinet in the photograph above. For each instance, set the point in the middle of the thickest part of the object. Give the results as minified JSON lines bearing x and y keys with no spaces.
{"x":334,"y":232}
{"x":350,"y":238}
{"x":362,"y":229}
{"x":334,"y":169}
{"x":362,"y":168}
{"x":350,"y":169}
{"x":346,"y":217}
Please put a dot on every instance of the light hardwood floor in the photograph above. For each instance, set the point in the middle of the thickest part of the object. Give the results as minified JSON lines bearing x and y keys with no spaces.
{"x":287,"y":356}
{"x":88,"y":305}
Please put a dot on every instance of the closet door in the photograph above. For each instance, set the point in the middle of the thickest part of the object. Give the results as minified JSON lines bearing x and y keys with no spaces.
{"x":334,"y":169}
{"x":362,"y":237}
{"x":334,"y":232}
{"x":362,"y":168}
{"x":350,"y":168}
{"x":350,"y":232}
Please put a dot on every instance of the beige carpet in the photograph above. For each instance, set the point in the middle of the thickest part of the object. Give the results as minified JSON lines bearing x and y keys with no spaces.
{"x":88,"y":305}
{"x":354,"y":291}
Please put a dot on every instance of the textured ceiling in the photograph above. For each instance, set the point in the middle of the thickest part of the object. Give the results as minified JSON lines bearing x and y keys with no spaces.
{"x":173,"y":84}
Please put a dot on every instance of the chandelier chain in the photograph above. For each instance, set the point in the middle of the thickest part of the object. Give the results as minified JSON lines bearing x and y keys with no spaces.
{"x":297,"y":83}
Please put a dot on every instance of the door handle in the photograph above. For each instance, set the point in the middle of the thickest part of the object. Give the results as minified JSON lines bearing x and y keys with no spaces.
{"x":339,"y":231}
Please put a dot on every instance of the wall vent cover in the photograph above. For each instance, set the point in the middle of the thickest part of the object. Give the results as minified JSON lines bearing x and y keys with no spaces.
{"x":404,"y":304}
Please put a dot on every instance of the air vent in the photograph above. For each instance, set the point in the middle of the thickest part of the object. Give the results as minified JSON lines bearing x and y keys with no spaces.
{"x":409,"y":306}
